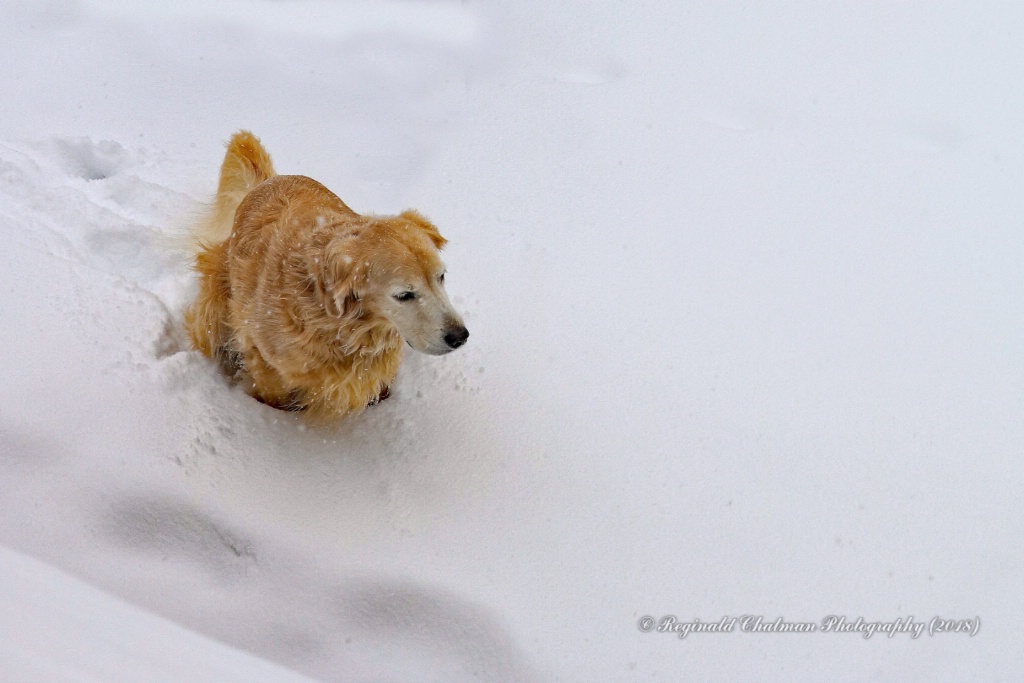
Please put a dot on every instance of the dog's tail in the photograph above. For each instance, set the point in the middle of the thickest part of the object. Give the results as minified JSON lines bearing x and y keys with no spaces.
{"x":245,"y":166}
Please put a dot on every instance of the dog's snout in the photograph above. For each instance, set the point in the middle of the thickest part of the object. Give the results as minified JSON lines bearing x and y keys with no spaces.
{"x":456,"y":336}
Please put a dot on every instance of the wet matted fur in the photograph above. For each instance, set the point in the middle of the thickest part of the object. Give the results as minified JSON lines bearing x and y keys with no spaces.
{"x":303,"y":301}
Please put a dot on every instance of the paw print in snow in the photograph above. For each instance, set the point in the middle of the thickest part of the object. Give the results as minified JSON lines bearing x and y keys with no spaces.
{"x":91,"y":160}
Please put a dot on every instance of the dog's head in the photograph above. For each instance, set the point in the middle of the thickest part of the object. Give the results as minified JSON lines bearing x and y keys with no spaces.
{"x":390,"y":269}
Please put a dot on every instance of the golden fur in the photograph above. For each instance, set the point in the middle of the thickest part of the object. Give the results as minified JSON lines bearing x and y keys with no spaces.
{"x":307,"y":303}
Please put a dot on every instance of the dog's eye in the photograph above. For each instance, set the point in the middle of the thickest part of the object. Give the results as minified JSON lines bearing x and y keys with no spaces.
{"x":406,"y":296}
{"x":440,"y":278}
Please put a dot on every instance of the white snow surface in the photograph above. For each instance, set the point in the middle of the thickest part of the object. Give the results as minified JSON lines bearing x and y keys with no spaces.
{"x":55,"y":627}
{"x":744,"y":283}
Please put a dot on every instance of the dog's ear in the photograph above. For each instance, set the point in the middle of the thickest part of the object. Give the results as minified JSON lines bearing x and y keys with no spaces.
{"x":335,"y":281}
{"x":426,"y":226}
{"x":327,"y":300}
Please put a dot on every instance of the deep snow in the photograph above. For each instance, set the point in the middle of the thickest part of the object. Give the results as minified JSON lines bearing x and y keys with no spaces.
{"x":744,"y":287}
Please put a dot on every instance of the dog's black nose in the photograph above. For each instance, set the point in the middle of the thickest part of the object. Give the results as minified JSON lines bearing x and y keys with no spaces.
{"x":456,"y":337}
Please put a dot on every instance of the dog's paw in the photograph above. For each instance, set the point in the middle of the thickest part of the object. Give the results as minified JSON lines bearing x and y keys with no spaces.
{"x":384,"y":393}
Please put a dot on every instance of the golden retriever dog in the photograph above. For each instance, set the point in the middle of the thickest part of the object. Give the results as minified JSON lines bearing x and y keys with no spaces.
{"x":307,"y":303}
